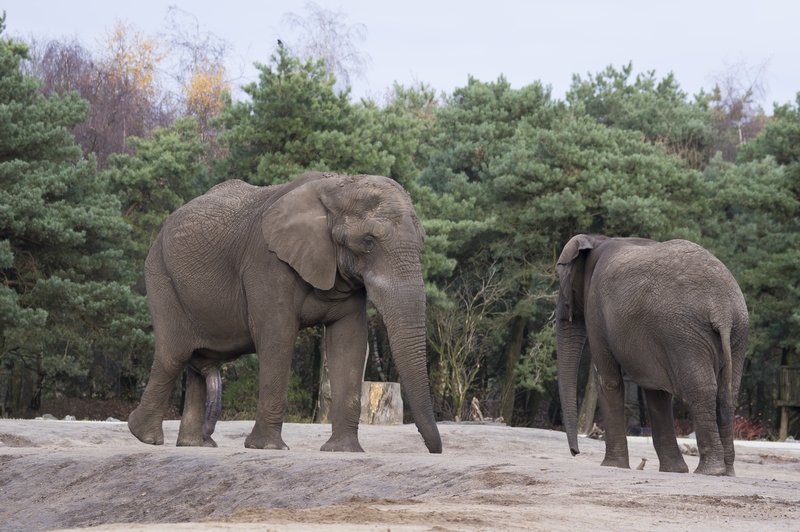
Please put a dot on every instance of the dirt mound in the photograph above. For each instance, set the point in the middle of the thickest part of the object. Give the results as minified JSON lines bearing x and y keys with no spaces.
{"x":72,"y":474}
{"x":87,"y":409}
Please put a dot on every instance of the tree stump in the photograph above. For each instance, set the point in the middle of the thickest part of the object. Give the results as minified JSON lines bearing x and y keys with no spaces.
{"x":381,"y":403}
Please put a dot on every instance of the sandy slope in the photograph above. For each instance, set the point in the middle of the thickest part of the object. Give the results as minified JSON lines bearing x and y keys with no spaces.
{"x":56,"y":474}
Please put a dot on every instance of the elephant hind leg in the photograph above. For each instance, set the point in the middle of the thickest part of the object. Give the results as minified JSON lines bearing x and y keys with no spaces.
{"x":709,"y":444}
{"x":659,"y":406}
{"x":145,"y":421}
{"x":174,"y":341}
{"x":725,"y":427}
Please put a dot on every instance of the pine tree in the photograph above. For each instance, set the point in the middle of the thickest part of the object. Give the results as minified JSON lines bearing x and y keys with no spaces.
{"x":67,"y":316}
{"x":168,"y":169}
{"x":539,"y":171}
{"x":295,"y":122}
{"x":756,"y":233}
{"x":658,"y":109}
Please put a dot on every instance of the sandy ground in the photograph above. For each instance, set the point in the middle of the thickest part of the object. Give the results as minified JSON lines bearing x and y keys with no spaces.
{"x":67,"y":475}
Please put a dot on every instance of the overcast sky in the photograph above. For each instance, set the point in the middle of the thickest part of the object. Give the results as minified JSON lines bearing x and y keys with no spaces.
{"x":441,"y":43}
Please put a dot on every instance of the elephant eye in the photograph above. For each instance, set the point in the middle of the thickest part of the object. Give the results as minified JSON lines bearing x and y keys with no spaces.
{"x":369,"y":244}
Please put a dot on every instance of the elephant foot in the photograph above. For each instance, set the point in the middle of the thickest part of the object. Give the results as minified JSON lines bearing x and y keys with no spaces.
{"x":729,"y":471}
{"x":347,"y":444}
{"x":616,"y":461}
{"x":265,"y":439}
{"x":196,"y":441}
{"x":712,"y":467}
{"x":147,"y":428}
{"x":673,"y":466}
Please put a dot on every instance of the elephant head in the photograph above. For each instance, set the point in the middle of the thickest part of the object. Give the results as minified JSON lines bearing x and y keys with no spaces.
{"x":571,"y":328}
{"x":340,"y":233}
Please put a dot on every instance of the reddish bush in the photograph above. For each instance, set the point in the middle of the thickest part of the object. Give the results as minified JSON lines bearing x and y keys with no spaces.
{"x":751,"y":428}
{"x":683,"y":427}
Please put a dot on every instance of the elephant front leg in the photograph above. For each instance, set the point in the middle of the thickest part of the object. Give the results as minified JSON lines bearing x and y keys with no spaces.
{"x":203,"y":397}
{"x":346,"y":351}
{"x":275,"y":348}
{"x":659,"y":406}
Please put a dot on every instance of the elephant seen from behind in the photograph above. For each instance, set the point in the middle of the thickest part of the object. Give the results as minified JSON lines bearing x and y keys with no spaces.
{"x":242,"y":269}
{"x":671,"y":317}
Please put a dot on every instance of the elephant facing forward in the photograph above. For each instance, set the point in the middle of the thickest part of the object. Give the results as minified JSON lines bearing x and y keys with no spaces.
{"x":242,"y":269}
{"x":671,"y":317}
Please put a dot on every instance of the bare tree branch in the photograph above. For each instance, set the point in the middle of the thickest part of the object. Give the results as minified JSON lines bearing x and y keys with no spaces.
{"x":324,"y":34}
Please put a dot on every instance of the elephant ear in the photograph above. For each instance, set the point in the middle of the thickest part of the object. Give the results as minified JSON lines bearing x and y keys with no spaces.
{"x":295,"y":228}
{"x":569,"y":268}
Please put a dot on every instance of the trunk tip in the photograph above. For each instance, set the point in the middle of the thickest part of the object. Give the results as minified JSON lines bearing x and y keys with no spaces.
{"x":435,"y":448}
{"x":434,"y":444}
{"x":433,"y":441}
{"x":574,"y":450}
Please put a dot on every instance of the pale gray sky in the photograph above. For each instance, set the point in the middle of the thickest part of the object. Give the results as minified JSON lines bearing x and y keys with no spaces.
{"x":442,"y":42}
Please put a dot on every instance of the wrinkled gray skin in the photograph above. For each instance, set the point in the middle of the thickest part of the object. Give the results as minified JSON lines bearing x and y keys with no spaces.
{"x":671,"y":317}
{"x":242,"y":269}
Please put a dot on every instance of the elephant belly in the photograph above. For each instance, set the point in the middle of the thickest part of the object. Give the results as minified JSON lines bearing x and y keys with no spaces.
{"x":217,"y":316}
{"x":637,"y":342}
{"x":229,"y":353}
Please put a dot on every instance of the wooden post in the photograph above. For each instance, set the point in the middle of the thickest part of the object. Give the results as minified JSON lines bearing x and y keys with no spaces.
{"x":784,"y":433}
{"x":512,"y":358}
{"x":789,"y":386}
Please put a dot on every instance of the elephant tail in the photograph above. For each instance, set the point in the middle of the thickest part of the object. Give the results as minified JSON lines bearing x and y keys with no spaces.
{"x":724,"y":386}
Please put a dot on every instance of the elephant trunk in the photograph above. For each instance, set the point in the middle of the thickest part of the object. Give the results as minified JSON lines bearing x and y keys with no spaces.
{"x":570,"y":337}
{"x":401,"y":301}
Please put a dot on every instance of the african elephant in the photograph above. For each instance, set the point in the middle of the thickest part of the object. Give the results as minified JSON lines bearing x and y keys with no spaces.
{"x":242,"y":269}
{"x":671,"y":317}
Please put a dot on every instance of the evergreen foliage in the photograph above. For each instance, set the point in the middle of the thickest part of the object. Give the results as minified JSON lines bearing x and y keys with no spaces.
{"x":295,"y":122}
{"x":168,"y":169}
{"x":538,"y":171}
{"x":68,"y":313}
{"x":657,"y":109}
{"x":500,"y":177}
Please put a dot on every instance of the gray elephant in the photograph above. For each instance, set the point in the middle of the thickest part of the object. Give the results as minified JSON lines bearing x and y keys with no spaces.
{"x":671,"y":317}
{"x":242,"y":269}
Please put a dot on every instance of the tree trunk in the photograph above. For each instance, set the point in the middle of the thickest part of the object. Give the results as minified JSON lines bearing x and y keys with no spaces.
{"x":323,"y":407}
{"x":16,"y":385}
{"x":381,"y":403}
{"x":3,"y":387}
{"x":375,"y":354}
{"x":316,"y":377}
{"x":533,"y":401}
{"x":512,"y":359}
{"x":784,"y":430}
{"x":642,"y":409}
{"x":184,"y":377}
{"x":589,"y":405}
{"x":36,"y":399}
